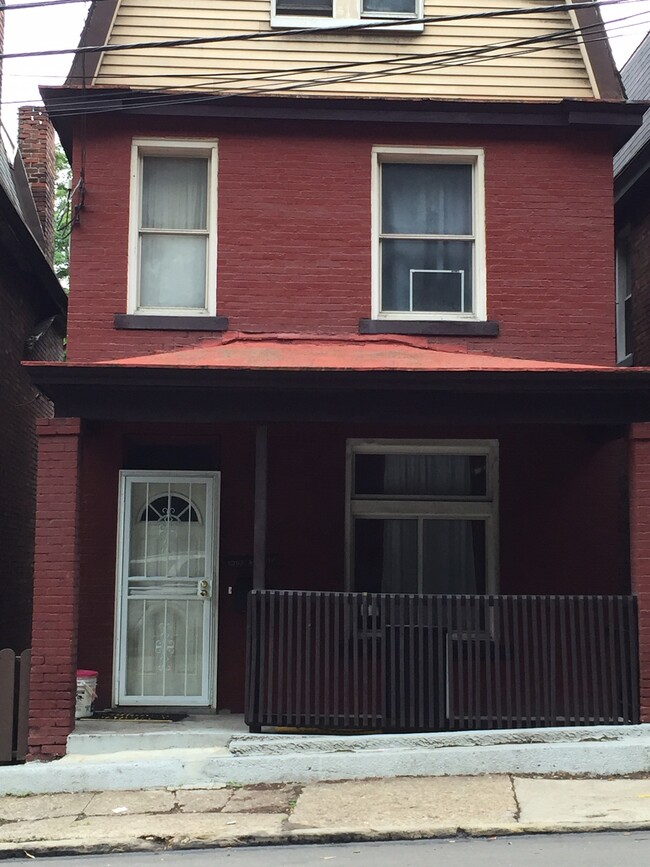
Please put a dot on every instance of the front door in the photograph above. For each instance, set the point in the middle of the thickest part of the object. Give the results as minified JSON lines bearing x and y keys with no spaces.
{"x":166,"y":587}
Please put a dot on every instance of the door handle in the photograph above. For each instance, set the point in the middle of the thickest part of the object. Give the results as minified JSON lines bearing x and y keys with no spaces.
{"x":204,"y":589}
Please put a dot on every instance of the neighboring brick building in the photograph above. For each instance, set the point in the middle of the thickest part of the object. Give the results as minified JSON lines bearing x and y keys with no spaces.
{"x":32,"y":325}
{"x":632,"y":195}
{"x":339,"y":331}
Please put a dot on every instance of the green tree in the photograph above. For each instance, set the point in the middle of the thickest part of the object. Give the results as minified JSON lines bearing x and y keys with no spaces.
{"x":62,"y":217}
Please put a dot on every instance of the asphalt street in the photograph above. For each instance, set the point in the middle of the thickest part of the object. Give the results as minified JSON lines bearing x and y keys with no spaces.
{"x":575,"y":850}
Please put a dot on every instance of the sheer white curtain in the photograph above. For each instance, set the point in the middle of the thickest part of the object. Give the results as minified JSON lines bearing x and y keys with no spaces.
{"x":448,"y":563}
{"x":174,"y":203}
{"x":426,"y":199}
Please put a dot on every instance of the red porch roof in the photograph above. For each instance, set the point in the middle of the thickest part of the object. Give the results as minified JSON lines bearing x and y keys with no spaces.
{"x":237,"y":351}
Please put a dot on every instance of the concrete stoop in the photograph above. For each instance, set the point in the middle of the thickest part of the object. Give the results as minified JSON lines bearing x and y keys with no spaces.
{"x":245,"y":759}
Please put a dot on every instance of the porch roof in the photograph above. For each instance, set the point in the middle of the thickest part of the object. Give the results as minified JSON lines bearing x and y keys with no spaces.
{"x":289,"y":377}
{"x":238,"y":351}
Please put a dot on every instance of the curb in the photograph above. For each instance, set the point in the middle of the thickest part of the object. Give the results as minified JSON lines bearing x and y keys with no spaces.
{"x":307,"y":836}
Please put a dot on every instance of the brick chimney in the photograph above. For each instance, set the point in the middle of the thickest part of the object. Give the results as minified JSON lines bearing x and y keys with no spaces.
{"x":36,"y":146}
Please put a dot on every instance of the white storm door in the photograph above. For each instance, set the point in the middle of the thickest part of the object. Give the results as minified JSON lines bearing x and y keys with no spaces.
{"x":166,"y":584}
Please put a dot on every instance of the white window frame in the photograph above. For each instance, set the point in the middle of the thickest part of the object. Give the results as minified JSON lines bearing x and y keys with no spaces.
{"x":474,"y":157}
{"x":623,"y":294}
{"x":483,"y":508}
{"x":145,"y":147}
{"x":347,"y":13}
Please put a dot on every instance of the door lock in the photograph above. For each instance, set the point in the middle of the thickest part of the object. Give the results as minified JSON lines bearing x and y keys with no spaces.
{"x":203,"y":588}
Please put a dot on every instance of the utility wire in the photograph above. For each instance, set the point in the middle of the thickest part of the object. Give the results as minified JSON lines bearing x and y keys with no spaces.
{"x":6,"y":7}
{"x":272,"y":34}
{"x":460,"y":56}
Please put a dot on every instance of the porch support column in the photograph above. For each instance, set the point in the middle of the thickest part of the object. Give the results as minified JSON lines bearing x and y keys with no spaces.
{"x":259,"y":530}
{"x":639,"y":475}
{"x":56,"y":588}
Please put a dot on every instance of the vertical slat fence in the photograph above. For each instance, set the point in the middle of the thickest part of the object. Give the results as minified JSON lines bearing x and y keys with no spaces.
{"x":14,"y":701}
{"x":397,"y":662}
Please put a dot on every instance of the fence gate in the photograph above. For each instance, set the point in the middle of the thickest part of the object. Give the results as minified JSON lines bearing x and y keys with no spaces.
{"x":14,"y":702}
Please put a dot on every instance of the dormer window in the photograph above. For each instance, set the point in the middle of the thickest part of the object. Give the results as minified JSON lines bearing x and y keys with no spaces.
{"x":304,"y":7}
{"x":399,"y":16}
{"x":389,"y":8}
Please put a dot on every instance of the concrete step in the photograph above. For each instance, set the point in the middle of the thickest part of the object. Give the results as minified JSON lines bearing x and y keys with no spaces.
{"x":104,"y":737}
{"x":618,"y":751}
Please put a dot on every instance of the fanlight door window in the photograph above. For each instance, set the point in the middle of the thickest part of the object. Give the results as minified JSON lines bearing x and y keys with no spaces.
{"x":166,"y":586}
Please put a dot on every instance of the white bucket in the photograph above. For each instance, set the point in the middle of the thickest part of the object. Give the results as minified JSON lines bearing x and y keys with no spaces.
{"x":86,"y":694}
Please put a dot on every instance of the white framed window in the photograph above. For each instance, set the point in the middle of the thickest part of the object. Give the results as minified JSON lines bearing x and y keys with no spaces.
{"x":407,"y":14}
{"x":623,"y":299}
{"x":173,"y":227}
{"x":428,"y":227}
{"x":422,"y":516}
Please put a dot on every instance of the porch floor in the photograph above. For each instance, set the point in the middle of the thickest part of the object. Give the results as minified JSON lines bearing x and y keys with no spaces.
{"x":197,"y":731}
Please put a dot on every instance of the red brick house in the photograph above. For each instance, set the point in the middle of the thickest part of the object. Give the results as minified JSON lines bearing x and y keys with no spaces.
{"x":342,"y":333}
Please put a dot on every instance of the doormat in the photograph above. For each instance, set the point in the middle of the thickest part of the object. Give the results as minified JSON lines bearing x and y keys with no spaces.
{"x":137,"y":717}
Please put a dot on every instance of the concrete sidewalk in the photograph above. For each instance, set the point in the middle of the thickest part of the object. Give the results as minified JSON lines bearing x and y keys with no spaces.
{"x":398,"y":808}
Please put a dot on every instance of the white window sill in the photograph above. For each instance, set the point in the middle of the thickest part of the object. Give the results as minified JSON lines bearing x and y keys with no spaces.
{"x":397,"y":25}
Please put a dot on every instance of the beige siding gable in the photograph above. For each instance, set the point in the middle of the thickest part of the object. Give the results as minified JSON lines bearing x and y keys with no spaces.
{"x":439,"y":62}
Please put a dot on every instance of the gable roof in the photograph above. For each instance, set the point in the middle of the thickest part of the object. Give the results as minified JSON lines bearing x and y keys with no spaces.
{"x":578,"y":69}
{"x":21,"y":234}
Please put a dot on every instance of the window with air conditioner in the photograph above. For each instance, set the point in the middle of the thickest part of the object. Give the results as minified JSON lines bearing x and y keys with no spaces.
{"x":428,"y":234}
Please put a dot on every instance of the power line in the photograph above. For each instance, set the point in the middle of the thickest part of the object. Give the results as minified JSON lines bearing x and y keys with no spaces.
{"x":6,"y":7}
{"x":272,"y":34}
{"x":410,"y":62}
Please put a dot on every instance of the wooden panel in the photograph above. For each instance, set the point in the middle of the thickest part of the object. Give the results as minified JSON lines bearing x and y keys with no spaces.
{"x":7,"y":669}
{"x":522,"y":72}
{"x":22,"y":720}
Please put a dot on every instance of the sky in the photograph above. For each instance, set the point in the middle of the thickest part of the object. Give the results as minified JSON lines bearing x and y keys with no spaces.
{"x":60,"y":26}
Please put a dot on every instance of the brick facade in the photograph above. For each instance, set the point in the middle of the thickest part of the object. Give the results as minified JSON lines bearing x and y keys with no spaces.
{"x":20,"y":405}
{"x":56,"y":588}
{"x":640,"y":550}
{"x":294,"y":233}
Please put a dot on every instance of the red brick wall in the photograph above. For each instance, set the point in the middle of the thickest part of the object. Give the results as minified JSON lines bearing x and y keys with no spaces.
{"x":294,"y":233}
{"x":20,"y":406}
{"x":562,"y":520}
{"x":640,"y":550}
{"x":56,"y":579}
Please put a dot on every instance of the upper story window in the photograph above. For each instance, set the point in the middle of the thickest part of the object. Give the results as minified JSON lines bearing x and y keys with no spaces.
{"x":345,"y":13}
{"x":172,"y":256}
{"x":429,"y":249}
{"x":623,"y":299}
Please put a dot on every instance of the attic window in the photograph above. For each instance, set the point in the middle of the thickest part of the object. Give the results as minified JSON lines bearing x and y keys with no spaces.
{"x":396,"y":16}
{"x":304,"y":7}
{"x":389,"y":8}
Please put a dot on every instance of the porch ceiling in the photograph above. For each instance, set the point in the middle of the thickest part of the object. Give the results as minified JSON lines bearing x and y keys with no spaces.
{"x":352,"y":378}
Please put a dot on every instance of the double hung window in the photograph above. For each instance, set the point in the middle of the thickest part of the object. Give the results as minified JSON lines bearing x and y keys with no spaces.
{"x":623,"y":299}
{"x":428,"y":234}
{"x":347,"y":13}
{"x":173,"y":228}
{"x":389,"y":8}
{"x":422,"y":516}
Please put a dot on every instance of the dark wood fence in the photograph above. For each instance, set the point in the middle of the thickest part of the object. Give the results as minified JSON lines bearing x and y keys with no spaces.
{"x":439,"y":663}
{"x":14,"y":701}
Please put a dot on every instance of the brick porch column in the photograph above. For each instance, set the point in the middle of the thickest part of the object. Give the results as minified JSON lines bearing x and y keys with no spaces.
{"x":639,"y":467}
{"x":56,"y":588}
